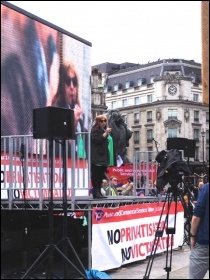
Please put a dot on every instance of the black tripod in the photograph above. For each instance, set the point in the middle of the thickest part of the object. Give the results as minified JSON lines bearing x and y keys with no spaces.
{"x":173,"y":194}
{"x":49,"y":250}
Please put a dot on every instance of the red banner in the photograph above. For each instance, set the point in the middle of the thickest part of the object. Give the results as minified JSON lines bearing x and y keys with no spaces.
{"x":122,"y":173}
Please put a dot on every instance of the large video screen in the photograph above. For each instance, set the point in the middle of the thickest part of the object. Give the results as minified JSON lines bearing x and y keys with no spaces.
{"x":41,"y":65}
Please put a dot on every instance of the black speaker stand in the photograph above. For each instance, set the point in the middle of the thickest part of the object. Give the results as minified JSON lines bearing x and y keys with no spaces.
{"x":51,"y":247}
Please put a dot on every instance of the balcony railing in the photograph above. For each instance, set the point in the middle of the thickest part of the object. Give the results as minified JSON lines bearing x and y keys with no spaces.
{"x":172,"y":117}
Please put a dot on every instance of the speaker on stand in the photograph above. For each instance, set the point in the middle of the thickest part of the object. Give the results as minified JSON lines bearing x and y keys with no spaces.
{"x":55,"y":124}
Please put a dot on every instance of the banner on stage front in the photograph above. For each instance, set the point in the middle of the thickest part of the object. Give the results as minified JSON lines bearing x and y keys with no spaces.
{"x":126,"y":234}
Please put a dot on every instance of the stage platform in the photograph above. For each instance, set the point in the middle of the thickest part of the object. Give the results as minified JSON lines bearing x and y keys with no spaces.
{"x":77,"y":203}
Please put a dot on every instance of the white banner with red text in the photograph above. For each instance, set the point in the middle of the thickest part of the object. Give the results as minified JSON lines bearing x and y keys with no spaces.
{"x":126,"y":234}
{"x":38,"y":176}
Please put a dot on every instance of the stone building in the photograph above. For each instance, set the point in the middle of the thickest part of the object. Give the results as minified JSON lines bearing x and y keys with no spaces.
{"x":158,"y":100}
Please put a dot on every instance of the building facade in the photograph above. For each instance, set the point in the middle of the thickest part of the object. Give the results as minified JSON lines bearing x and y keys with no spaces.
{"x":159,"y":100}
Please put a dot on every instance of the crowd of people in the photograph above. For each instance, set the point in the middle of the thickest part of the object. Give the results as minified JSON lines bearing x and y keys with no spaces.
{"x":112,"y":187}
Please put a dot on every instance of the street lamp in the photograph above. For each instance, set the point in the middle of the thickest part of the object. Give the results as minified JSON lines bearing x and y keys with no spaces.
{"x":203,"y":135}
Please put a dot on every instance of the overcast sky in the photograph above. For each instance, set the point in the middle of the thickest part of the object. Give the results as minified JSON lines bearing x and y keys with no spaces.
{"x":128,"y":31}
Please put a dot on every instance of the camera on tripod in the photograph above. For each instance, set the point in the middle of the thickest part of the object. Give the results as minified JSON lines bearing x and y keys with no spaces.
{"x":171,"y":168}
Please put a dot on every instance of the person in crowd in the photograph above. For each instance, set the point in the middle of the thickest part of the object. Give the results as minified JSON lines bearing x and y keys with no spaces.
{"x":67,"y":96}
{"x":143,"y":180}
{"x":104,"y":185}
{"x":196,"y":190}
{"x":193,"y":192}
{"x":152,"y":189}
{"x":200,"y":185}
{"x":199,"y":236}
{"x":127,"y":189}
{"x":119,"y":187}
{"x":140,"y":193}
{"x":202,"y":177}
{"x":102,"y":153}
{"x":111,"y":189}
{"x":163,"y":191}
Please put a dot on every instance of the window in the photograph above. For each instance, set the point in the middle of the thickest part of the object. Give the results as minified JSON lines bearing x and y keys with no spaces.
{"x":149,"y":98}
{"x":149,"y":135}
{"x":137,"y":100}
{"x":192,"y":76}
{"x":196,"y":134}
{"x":124,"y":118}
{"x":195,"y":97}
{"x":207,"y":137}
{"x":139,"y":82}
{"x":150,"y":149}
{"x":172,"y":132}
{"x":116,"y":87}
{"x":127,"y":85}
{"x":196,"y":153}
{"x":152,"y":79}
{"x":149,"y":116}
{"x":125,"y":102}
{"x":136,"y":118}
{"x":114,"y":104}
{"x":172,"y":114}
{"x":136,"y":154}
{"x":196,"y":116}
{"x":207,"y":154}
{"x":107,"y":88}
{"x":207,"y":116}
{"x":136,"y":137}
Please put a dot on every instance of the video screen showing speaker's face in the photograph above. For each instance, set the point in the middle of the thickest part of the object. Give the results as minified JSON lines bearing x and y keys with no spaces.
{"x":41,"y":66}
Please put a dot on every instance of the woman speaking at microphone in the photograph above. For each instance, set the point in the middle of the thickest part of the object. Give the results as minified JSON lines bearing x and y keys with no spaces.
{"x":102,"y":153}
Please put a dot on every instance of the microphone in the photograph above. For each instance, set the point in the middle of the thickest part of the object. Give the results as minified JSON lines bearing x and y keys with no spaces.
{"x":72,"y":105}
{"x":154,"y":140}
{"x":22,"y":151}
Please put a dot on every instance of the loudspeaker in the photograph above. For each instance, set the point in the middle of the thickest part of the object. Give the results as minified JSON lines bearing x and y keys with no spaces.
{"x":187,"y":145}
{"x":53,"y":122}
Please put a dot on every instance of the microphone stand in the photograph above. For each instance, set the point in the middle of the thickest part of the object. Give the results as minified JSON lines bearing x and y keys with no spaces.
{"x":25,"y":214}
{"x":156,"y":144}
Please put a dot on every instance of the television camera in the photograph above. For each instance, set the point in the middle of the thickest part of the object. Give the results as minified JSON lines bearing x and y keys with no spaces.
{"x":171,"y":168}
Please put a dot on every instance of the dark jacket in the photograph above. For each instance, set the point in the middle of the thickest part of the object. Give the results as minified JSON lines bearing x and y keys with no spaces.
{"x":99,"y":147}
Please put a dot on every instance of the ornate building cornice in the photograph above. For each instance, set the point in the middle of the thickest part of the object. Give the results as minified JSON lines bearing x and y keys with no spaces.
{"x":173,"y":123}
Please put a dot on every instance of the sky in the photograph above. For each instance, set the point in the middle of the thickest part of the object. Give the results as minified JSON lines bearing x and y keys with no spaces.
{"x":128,"y":31}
